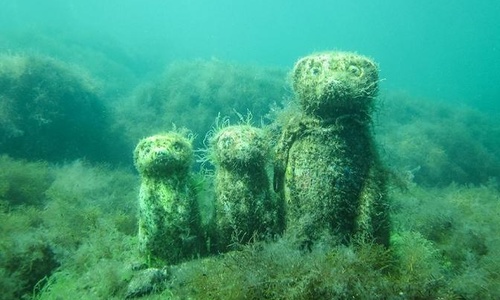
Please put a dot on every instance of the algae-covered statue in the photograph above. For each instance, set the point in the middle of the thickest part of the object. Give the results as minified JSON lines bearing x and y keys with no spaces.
{"x":328,"y":170}
{"x":246,"y":208}
{"x":170,"y":227}
{"x":328,"y":180}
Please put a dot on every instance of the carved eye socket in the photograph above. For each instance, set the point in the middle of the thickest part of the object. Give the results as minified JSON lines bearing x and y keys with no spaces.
{"x":315,"y":71}
{"x":355,"y":70}
{"x":178,"y":146}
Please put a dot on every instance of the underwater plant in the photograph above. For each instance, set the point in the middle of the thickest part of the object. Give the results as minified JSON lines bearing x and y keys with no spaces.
{"x":23,"y":182}
{"x":114,"y":69}
{"x":458,"y":222}
{"x":51,"y":111}
{"x":435,"y":143}
{"x":56,"y":218}
{"x":27,"y":256}
{"x":192,"y":94}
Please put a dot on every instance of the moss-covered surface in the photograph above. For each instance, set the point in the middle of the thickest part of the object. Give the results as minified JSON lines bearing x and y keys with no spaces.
{"x":328,"y":169}
{"x":335,"y":83}
{"x":333,"y":183}
{"x":246,"y":208}
{"x":169,"y":217}
{"x":164,"y":155}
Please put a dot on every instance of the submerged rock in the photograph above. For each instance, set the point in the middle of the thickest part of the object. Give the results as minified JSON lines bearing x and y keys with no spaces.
{"x":147,"y":281}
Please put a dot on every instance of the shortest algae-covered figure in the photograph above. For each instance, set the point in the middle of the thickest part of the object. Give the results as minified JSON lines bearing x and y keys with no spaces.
{"x":169,"y":219}
{"x":246,"y":208}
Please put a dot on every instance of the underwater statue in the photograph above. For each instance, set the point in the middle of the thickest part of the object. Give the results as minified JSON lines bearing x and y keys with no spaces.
{"x":246,"y":209}
{"x":328,"y":179}
{"x":328,"y":170}
{"x":170,"y":229}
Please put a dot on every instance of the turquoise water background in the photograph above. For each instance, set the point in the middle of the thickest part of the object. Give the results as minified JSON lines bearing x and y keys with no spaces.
{"x":447,"y":50}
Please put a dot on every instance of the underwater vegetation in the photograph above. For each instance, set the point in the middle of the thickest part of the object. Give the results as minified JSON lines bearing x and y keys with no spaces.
{"x":69,"y":227}
{"x":457,"y":222}
{"x":417,"y":266}
{"x":435,"y":144}
{"x":114,"y":70}
{"x":68,"y":213}
{"x":23,"y":183}
{"x":52,"y":111}
{"x":191,"y":94}
{"x":84,"y":244}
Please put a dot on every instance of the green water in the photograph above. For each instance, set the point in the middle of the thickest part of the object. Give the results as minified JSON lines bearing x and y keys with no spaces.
{"x":434,"y":49}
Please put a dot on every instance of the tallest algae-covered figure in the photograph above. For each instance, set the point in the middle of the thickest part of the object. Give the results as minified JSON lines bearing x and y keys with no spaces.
{"x":328,"y":169}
